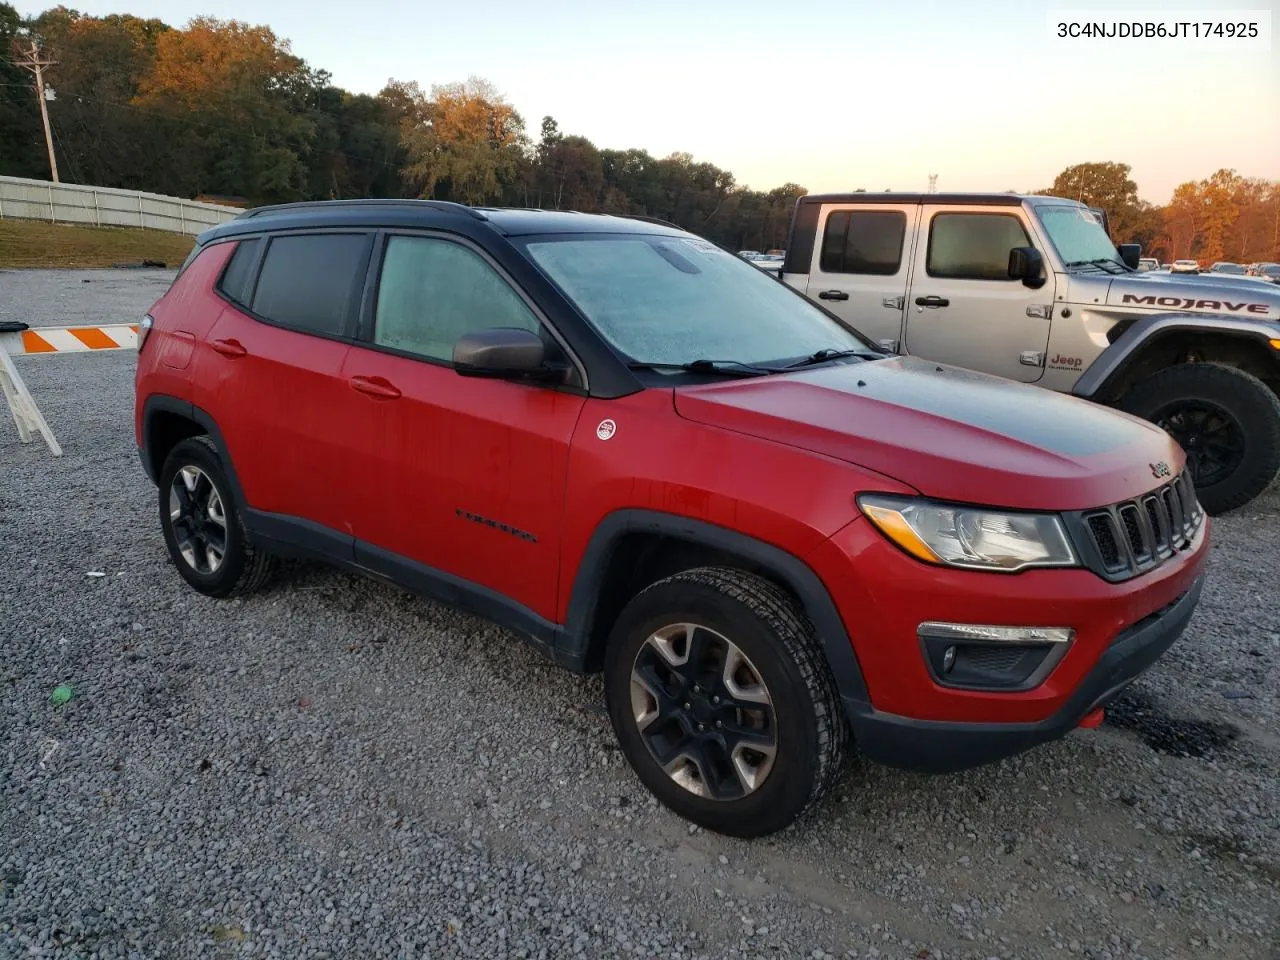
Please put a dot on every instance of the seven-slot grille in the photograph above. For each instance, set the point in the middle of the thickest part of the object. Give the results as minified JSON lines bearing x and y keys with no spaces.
{"x":1134,"y":535}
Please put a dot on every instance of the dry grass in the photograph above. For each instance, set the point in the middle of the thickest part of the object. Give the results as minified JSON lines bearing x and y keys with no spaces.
{"x":30,"y":243}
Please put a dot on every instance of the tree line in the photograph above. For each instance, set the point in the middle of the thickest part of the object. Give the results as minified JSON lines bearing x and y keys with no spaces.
{"x":224,"y":109}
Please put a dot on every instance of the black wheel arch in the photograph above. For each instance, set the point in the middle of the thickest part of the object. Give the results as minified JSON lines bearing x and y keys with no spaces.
{"x":656,"y":544}
{"x":167,"y":420}
{"x":1150,"y":343}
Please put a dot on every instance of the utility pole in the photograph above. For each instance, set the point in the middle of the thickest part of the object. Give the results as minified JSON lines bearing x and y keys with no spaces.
{"x":34,"y":62}
{"x":933,"y":183}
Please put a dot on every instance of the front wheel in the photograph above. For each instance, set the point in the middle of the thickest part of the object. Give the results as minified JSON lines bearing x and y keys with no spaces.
{"x":722,"y":701}
{"x":1226,"y":420}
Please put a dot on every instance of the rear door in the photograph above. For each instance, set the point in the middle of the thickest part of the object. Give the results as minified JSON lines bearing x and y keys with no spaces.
{"x":963,"y":309}
{"x":860,"y":267}
{"x":270,"y":371}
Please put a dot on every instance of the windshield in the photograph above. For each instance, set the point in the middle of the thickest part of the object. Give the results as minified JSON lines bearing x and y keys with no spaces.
{"x":1077,"y":234}
{"x":674,"y":300}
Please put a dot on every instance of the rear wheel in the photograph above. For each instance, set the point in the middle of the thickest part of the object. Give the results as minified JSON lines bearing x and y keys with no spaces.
{"x":722,"y":701}
{"x":202,"y":528}
{"x":1226,"y":420}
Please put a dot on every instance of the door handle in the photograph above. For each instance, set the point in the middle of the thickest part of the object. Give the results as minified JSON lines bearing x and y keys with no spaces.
{"x":932,"y":302}
{"x":375,"y":387}
{"x":228,"y":348}
{"x":833,"y":295}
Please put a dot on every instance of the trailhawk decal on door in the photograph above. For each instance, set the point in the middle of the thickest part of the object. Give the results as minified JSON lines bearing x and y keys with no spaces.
{"x":1183,"y":303}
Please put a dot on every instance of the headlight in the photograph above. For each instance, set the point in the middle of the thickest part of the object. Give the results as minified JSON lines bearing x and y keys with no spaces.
{"x":970,"y":537}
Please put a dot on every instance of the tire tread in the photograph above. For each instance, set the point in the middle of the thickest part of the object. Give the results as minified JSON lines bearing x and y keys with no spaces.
{"x":787,"y":621}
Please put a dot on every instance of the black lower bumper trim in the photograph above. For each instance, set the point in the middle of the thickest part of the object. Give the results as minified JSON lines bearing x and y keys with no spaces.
{"x":944,"y":747}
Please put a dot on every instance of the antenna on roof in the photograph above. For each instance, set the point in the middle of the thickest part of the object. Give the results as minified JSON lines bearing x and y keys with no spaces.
{"x":933,"y":183}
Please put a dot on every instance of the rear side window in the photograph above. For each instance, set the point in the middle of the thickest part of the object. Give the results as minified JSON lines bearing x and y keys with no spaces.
{"x":308,"y":282}
{"x":863,"y":241}
{"x":973,"y":246}
{"x":236,"y":277}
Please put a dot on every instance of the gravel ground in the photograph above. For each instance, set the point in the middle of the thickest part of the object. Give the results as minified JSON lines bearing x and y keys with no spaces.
{"x":332,"y":768}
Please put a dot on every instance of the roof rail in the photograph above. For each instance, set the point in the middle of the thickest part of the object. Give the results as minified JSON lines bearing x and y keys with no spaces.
{"x":447,"y":206}
{"x":657,"y":220}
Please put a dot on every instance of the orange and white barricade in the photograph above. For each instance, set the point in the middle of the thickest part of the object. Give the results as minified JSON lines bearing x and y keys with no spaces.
{"x":19,"y":339}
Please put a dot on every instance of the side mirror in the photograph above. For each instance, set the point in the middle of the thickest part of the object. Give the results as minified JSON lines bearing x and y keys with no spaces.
{"x":508,"y":353}
{"x":1130,"y":254}
{"x":1026,"y":264}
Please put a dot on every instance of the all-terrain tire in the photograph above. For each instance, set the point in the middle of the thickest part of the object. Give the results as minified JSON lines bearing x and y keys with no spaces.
{"x":779,"y":644}
{"x":1236,"y":395}
{"x":244,"y":567}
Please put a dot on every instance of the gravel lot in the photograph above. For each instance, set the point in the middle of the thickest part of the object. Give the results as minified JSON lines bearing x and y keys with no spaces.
{"x":332,"y":768}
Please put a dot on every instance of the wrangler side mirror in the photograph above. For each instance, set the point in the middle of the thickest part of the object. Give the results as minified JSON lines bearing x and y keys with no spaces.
{"x":1130,"y":253}
{"x":1026,"y":264}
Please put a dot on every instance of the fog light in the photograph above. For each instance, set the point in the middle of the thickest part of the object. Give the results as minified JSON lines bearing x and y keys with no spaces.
{"x":974,"y":656}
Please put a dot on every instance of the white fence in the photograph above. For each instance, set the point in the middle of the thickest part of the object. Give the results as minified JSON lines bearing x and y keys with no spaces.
{"x":24,"y":199}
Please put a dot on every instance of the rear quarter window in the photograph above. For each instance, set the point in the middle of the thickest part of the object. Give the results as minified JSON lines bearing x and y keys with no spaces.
{"x":237,"y":276}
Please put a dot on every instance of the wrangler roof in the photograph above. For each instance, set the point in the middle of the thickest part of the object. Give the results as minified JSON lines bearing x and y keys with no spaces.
{"x":989,"y":198}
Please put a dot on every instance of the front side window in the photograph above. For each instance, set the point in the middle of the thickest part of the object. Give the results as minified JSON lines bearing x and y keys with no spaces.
{"x":672,"y":300}
{"x":973,"y":246}
{"x":433,"y":291}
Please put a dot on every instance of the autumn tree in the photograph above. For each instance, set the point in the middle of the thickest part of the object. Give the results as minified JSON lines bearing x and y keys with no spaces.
{"x":233,"y":101}
{"x":462,"y":142}
{"x":101,"y":137}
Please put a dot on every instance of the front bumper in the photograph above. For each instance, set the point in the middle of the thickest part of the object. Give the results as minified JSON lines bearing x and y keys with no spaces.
{"x":942,"y":746}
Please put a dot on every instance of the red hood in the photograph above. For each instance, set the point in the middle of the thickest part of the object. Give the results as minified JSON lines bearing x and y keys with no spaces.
{"x":952,"y":434}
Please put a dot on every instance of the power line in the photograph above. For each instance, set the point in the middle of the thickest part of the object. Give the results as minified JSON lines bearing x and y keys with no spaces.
{"x":32,"y":61}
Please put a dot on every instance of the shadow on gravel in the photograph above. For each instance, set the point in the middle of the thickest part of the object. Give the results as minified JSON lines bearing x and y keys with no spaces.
{"x":1176,"y":737}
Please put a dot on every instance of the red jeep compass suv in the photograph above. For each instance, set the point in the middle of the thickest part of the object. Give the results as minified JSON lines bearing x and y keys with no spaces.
{"x":655,"y":461}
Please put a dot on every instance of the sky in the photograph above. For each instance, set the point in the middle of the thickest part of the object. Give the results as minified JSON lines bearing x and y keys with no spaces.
{"x":831,"y":94}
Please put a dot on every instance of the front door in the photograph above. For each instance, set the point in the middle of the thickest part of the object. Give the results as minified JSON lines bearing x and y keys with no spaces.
{"x":465,"y":475}
{"x":860,"y":266}
{"x":962,"y":307}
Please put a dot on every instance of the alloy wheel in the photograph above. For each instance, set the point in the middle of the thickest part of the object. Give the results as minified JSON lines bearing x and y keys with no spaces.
{"x":703,"y":711}
{"x":199,"y":519}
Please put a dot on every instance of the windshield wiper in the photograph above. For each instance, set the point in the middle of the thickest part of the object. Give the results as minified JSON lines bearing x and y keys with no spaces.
{"x":727,"y":368}
{"x":1100,"y":262}
{"x":822,"y":356}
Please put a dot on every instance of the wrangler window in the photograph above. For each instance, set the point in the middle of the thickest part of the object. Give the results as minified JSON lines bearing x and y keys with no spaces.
{"x":863,"y":241}
{"x":973,"y":246}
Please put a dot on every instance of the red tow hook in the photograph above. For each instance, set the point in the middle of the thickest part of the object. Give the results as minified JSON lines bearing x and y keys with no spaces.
{"x":1093,"y":719}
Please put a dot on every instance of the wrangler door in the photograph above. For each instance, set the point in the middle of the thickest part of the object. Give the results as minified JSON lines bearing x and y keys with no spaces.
{"x":963,"y":308}
{"x":860,"y":265}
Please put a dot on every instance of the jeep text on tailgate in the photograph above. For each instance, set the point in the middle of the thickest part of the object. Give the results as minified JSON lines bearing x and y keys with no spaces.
{"x":1031,"y":288}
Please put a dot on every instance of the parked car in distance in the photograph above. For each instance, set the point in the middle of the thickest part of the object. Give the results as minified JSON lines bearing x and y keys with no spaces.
{"x":1231,"y":269}
{"x":776,"y":541}
{"x":1185,"y":266}
{"x":1267,"y":271}
{"x":1032,"y":288}
{"x":1148,"y":263}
